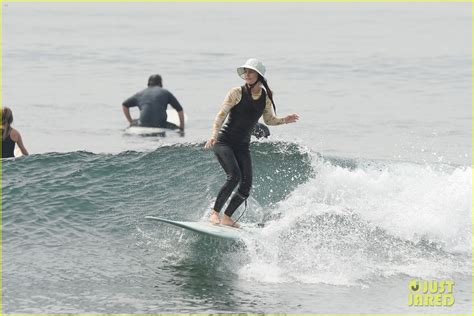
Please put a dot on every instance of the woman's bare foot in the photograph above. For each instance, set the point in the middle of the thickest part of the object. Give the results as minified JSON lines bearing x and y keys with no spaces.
{"x":214,"y":219}
{"x":226,"y":220}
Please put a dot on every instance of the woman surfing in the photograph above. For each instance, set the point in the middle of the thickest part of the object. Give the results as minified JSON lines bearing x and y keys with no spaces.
{"x":243,"y":107}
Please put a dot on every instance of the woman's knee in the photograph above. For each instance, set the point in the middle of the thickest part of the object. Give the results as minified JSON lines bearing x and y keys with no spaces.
{"x":234,"y":177}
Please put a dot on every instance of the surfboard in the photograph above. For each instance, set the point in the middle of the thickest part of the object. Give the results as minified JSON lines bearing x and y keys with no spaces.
{"x":17,"y":152}
{"x":206,"y":228}
{"x":145,"y":131}
{"x":173,"y":117}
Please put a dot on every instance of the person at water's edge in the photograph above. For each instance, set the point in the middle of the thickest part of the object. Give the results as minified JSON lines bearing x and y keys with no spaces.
{"x":231,"y":141}
{"x":152,"y":103}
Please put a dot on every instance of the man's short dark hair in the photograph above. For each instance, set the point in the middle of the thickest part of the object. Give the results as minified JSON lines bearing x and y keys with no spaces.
{"x":155,"y":80}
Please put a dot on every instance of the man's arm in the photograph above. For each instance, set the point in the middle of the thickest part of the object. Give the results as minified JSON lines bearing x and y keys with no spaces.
{"x":181,"y":120}
{"x":127,"y":104}
{"x":126,"y":112}
{"x":175,"y":104}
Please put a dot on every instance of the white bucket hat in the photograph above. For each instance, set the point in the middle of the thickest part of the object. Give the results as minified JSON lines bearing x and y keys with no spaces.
{"x":253,"y":64}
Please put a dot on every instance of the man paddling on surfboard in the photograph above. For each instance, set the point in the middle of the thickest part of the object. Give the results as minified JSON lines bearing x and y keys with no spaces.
{"x":231,"y":141}
{"x":152,"y":103}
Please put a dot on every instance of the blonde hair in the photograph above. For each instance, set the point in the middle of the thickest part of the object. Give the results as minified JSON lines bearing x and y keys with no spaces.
{"x":7,"y":119}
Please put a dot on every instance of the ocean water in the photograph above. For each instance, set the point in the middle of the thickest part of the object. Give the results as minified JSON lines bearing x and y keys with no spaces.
{"x":370,"y":189}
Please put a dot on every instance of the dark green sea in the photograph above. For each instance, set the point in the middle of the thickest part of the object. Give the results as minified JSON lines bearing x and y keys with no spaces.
{"x":75,"y":237}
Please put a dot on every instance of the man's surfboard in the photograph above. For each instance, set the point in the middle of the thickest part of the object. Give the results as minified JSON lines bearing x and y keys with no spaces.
{"x":206,"y":228}
{"x":173,"y":117}
{"x":145,"y":131}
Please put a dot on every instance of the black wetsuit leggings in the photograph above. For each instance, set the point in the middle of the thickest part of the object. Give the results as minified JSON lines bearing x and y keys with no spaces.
{"x":237,"y":165}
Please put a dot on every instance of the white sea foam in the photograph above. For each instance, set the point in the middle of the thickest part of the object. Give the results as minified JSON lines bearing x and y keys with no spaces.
{"x":347,"y":225}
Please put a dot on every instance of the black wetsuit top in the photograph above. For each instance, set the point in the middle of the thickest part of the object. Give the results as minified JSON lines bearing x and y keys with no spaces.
{"x":152,"y":103}
{"x":242,"y":119}
{"x":8,"y":147}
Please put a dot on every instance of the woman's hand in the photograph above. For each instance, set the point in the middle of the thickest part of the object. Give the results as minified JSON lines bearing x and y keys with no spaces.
{"x":291,"y":118}
{"x":210,"y":143}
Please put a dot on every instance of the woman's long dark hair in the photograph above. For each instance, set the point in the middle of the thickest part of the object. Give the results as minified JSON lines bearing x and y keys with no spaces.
{"x":269,"y":91}
{"x":267,"y":88}
{"x":7,"y":119}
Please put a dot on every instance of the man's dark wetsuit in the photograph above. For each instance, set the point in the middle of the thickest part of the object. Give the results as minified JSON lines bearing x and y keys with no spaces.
{"x":232,"y":150}
{"x":8,"y":147}
{"x":152,"y":103}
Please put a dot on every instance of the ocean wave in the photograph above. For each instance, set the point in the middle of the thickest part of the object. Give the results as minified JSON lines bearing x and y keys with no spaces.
{"x":327,"y":219}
